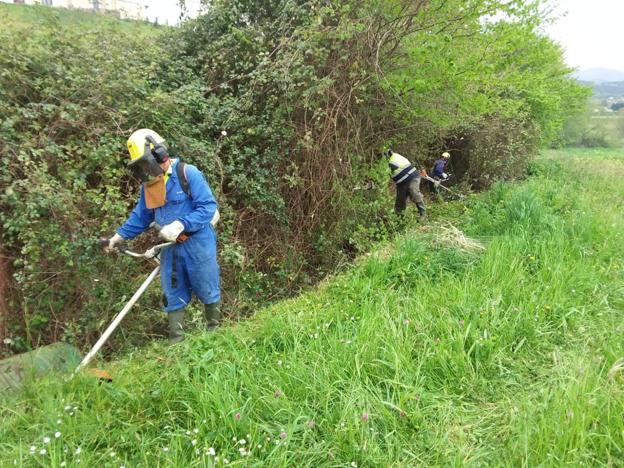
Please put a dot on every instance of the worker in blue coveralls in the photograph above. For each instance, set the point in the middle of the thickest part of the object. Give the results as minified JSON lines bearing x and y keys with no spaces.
{"x":439,"y":170}
{"x":177,"y":197}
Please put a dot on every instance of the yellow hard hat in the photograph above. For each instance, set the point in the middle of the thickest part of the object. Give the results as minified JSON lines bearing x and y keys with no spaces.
{"x":139,"y":140}
{"x":446,"y":155}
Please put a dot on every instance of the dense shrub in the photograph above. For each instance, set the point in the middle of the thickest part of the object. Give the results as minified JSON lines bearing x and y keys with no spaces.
{"x":283,"y":104}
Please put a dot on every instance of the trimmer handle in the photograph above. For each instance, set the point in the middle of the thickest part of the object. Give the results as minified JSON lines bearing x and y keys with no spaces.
{"x":181,"y":238}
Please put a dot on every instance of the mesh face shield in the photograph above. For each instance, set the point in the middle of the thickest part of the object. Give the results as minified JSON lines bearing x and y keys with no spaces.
{"x":145,"y":168}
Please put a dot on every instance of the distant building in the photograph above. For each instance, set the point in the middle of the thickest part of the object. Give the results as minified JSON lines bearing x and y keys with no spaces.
{"x":127,"y":9}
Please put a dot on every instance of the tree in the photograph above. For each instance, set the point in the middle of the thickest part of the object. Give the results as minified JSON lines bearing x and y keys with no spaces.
{"x":617,"y":106}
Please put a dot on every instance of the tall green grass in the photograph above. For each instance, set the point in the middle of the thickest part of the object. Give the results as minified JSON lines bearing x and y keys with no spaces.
{"x":423,"y":354}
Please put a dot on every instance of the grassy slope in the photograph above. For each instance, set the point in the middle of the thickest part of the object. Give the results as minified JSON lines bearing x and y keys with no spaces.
{"x":34,"y":16}
{"x":423,"y":354}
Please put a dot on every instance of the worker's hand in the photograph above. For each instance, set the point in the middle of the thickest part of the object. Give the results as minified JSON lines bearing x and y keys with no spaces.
{"x":113,"y":242}
{"x":445,"y":175}
{"x":170,"y":232}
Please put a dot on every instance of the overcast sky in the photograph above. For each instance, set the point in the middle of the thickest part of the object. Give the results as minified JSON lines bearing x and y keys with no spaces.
{"x":592,"y":32}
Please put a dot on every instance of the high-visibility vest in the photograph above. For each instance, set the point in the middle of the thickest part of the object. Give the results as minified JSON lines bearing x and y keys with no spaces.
{"x":401,"y":169}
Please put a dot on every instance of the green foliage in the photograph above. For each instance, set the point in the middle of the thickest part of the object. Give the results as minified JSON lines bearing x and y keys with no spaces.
{"x":282,"y":105}
{"x":593,"y":129}
{"x":491,"y":91}
{"x":66,"y":100}
{"x":423,"y":354}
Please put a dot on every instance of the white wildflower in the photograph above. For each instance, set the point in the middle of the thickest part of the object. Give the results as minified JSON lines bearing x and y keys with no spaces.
{"x":194,"y":442}
{"x":211,"y":451}
{"x":78,"y":450}
{"x":42,"y":451}
{"x":57,"y":434}
{"x":46,"y":440}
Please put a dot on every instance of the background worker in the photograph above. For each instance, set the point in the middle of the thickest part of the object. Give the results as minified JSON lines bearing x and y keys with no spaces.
{"x":407,"y":180}
{"x":177,"y":197}
{"x":439,"y":170}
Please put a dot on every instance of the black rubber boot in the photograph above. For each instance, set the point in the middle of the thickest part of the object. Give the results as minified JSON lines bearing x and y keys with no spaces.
{"x":212,"y":314}
{"x":421,"y":210}
{"x":176,"y":326}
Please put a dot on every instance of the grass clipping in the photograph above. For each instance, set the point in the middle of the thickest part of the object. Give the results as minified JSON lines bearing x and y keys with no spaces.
{"x":447,"y":235}
{"x":438,"y":235}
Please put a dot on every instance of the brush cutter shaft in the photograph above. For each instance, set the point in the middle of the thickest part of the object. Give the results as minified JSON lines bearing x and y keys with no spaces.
{"x":111,"y":328}
{"x":438,"y":183}
{"x":146,"y":254}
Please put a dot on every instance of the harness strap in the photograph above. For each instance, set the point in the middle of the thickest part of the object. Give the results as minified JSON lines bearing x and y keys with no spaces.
{"x":181,"y":171}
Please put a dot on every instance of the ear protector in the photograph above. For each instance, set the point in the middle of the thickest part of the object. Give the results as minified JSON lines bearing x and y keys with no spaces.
{"x":159,"y":150}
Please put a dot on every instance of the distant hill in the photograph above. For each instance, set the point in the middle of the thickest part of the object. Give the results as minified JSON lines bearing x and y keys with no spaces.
{"x":600,"y":75}
{"x":606,"y":90}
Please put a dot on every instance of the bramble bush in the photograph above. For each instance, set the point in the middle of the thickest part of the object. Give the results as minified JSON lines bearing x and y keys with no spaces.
{"x":283,"y":104}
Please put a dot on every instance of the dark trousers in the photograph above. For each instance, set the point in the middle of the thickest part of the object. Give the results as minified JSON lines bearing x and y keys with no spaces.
{"x":409,"y":189}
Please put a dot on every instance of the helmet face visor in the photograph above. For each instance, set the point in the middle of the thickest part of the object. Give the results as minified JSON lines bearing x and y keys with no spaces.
{"x":145,"y":168}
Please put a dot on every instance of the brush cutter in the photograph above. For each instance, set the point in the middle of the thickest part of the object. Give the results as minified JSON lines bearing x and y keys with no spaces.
{"x":438,"y":183}
{"x":154,"y":253}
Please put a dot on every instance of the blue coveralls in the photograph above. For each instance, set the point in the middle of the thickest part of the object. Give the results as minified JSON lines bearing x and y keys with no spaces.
{"x":195,"y":260}
{"x":438,"y":168}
